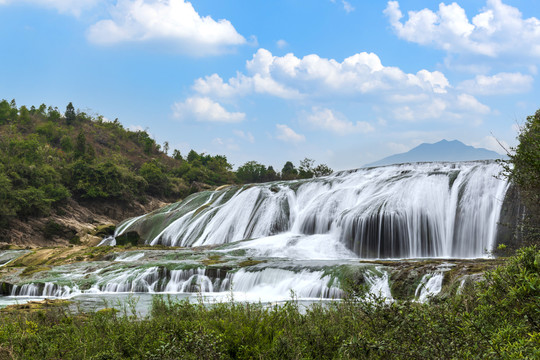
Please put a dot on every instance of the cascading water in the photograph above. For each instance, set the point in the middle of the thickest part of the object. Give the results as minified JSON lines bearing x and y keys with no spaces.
{"x":401,"y":211}
{"x":267,"y":242}
{"x":255,"y":284}
{"x":430,"y":285}
{"x":379,"y":286}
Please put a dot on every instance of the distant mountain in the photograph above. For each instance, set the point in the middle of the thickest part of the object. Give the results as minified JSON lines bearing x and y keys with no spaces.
{"x":443,"y":150}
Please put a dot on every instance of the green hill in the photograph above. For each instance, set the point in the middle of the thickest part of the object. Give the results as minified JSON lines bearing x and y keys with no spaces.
{"x":50,"y":162}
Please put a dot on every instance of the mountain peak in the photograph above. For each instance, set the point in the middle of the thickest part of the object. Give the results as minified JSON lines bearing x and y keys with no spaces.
{"x":443,"y":150}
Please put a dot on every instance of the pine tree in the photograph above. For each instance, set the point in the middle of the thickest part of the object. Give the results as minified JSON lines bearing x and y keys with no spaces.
{"x":70,"y":114}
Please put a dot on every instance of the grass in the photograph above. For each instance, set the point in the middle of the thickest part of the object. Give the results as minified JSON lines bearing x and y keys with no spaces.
{"x":213,"y":260}
{"x":250,"y":262}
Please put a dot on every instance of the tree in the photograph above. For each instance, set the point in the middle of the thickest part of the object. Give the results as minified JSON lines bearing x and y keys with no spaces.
{"x":42,"y":110}
{"x":80,"y":145}
{"x":289,"y":172}
{"x":166,"y":147}
{"x":66,"y":144}
{"x":4,"y":112}
{"x":271,"y":174}
{"x":158,"y":182}
{"x":322,"y":170}
{"x":53,"y":113}
{"x":523,"y":169}
{"x":13,"y":111}
{"x":70,"y":114}
{"x":24,"y":115}
{"x":305,"y":170}
{"x":176,"y":155}
{"x":251,"y":172}
{"x":192,"y":156}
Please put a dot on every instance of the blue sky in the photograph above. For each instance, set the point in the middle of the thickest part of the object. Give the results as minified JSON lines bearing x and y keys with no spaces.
{"x":343,"y":82}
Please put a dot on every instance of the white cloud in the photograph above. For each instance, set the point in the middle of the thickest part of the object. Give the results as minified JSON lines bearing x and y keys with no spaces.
{"x":433,"y":109}
{"x":499,"y":29}
{"x":361,"y":78}
{"x":63,"y":6}
{"x":290,"y":77}
{"x":281,"y":44}
{"x":228,"y":144}
{"x":468,"y":102}
{"x":492,"y":143}
{"x":501,"y":83}
{"x":245,"y":135}
{"x":347,"y":6}
{"x":206,"y":110}
{"x":329,"y":120}
{"x":453,"y":108}
{"x":287,"y":134}
{"x":174,"y":22}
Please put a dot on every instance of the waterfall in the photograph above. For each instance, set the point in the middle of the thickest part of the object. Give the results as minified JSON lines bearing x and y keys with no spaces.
{"x":256,"y":284}
{"x":400,"y":211}
{"x":273,"y":283}
{"x":379,"y":286}
{"x":430,"y":285}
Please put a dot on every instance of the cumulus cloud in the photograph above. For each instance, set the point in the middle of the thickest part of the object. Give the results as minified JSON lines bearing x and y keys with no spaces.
{"x":337,"y":123}
{"x":498,"y":29}
{"x":285,"y":133}
{"x":63,"y":6}
{"x":290,"y":77}
{"x":466,"y":102}
{"x":361,"y":78}
{"x":206,"y":110}
{"x":501,"y":83}
{"x":174,"y":22}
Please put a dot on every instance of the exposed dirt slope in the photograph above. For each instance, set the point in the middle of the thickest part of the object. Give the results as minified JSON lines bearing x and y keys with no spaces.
{"x":74,"y":222}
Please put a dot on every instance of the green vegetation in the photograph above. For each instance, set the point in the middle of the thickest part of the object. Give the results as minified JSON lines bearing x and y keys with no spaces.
{"x":254,"y":172}
{"x":461,"y":326}
{"x":523,"y":169}
{"x":48,"y":158}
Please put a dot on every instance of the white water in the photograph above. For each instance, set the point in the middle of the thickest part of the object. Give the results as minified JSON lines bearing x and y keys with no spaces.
{"x":405,"y":211}
{"x":129,"y":257}
{"x":268,"y":284}
{"x":430,"y":285}
{"x":402,"y":211}
{"x":293,"y":246}
{"x":271,"y":284}
{"x":379,"y":287}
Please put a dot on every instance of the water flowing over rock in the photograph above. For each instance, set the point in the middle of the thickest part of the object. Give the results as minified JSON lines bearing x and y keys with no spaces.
{"x":402,"y":211}
{"x":318,"y":239}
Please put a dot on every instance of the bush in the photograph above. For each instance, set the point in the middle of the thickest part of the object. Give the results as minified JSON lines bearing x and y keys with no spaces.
{"x":158,"y":182}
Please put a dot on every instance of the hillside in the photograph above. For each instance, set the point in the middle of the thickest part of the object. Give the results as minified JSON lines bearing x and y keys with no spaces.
{"x":62,"y":173}
{"x":443,"y":150}
{"x":65,"y":174}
